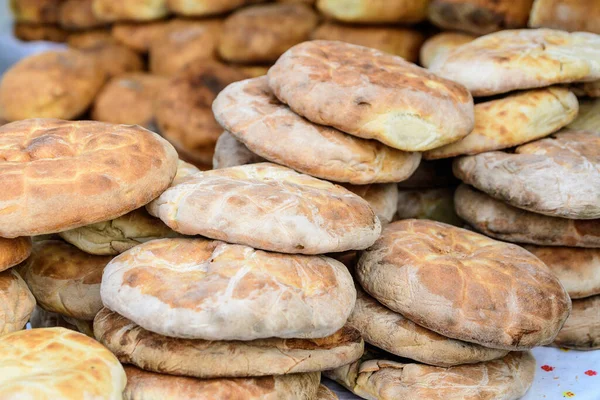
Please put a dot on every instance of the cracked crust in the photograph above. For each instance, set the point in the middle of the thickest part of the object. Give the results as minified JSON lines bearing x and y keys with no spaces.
{"x":567,"y":15}
{"x":218,"y":359}
{"x":464,"y":285}
{"x":438,"y":46}
{"x":582,"y":329}
{"x":13,"y":251}
{"x":373,"y":95}
{"x":375,"y":11}
{"x":16,"y":302}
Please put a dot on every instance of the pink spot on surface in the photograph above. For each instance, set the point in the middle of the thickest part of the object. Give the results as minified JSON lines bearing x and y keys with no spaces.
{"x":589,"y":372}
{"x":547,"y":368}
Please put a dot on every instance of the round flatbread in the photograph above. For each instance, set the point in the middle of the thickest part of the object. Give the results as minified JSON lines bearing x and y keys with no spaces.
{"x":32,"y":32}
{"x":54,"y":84}
{"x":41,"y":318}
{"x":557,"y":176}
{"x":64,"y":279}
{"x":508,"y":378}
{"x":17,"y":302}
{"x":438,"y":46}
{"x":464,"y":285}
{"x":57,"y":363}
{"x":434,"y":204}
{"x":230,"y":152}
{"x":129,"y":10}
{"x":588,"y":118}
{"x":211,"y":359}
{"x":375,"y":11}
{"x":395,"y":334}
{"x":522,"y":59}
{"x":271,"y":208}
{"x":139,"y":37}
{"x":373,"y":95}
{"x":431,"y":174}
{"x":226,"y":282}
{"x":249,"y":111}
{"x":36,"y":11}
{"x":78,"y":15}
{"x":501,"y":221}
{"x":115,"y":59}
{"x":514,"y":120}
{"x":568,"y":15}
{"x":383,"y":199}
{"x":13,"y":251}
{"x":200,"y":8}
{"x":582,"y":329}
{"x":262,"y":33}
{"x":58,"y":175}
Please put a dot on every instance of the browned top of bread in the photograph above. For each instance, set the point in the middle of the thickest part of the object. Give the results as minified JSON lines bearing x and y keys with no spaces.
{"x":13,"y":251}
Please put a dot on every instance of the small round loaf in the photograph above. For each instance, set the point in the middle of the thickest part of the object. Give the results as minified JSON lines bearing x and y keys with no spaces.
{"x":375,"y":11}
{"x":434,"y":204}
{"x":13,"y":251}
{"x":373,"y":95}
{"x":36,"y":11}
{"x":59,"y":175}
{"x":129,"y":10}
{"x":89,"y":39}
{"x":54,"y":84}
{"x":269,"y":207}
{"x":115,"y":59}
{"x":57,"y":363}
{"x":249,"y":111}
{"x":464,"y":285}
{"x":34,"y":32}
{"x":588,"y":118}
{"x":140,"y":37}
{"x":17,"y":303}
{"x":78,"y":15}
{"x":145,"y":285}
{"x":230,"y":152}
{"x":200,"y":8}
{"x":221,"y":359}
{"x":582,"y":329}
{"x":41,"y":318}
{"x":568,"y":15}
{"x":438,"y":46}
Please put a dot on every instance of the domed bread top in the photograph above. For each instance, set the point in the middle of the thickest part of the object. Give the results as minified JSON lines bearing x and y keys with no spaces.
{"x":271,"y":208}
{"x":374,"y":11}
{"x":17,"y":303}
{"x":438,"y":46}
{"x":588,"y":118}
{"x":249,"y":110}
{"x":64,"y":279}
{"x":200,"y":8}
{"x":435,"y":204}
{"x":568,"y":15}
{"x":395,"y":334}
{"x":115,"y":59}
{"x":144,"y":385}
{"x":521,"y":59}
{"x":267,"y":294}
{"x":139,"y":37}
{"x":508,"y":378}
{"x":78,"y":14}
{"x":125,"y":10}
{"x":324,"y":393}
{"x":56,"y":363}
{"x":501,"y":221}
{"x":582,"y":329}
{"x":557,"y":176}
{"x":54,"y":84}
{"x":36,"y":11}
{"x":262,"y":33}
{"x":210,"y":359}
{"x":383,"y":199}
{"x":230,"y":152}
{"x":464,"y":285}
{"x":59,"y":175}
{"x":514,"y":120}
{"x":13,"y":251}
{"x":373,"y":95}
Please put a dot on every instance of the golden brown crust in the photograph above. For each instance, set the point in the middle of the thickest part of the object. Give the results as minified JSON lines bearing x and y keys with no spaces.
{"x":268,"y":128}
{"x":13,"y":251}
{"x":464,"y":285}
{"x":582,"y":329}
{"x":31,"y":32}
{"x":17,"y":302}
{"x":89,"y":39}
{"x":375,"y":11}
{"x":218,"y":359}
{"x":129,"y":10}
{"x":435,"y":204}
{"x":568,"y":15}
{"x":438,"y":46}
{"x":115,"y":59}
{"x":36,"y":11}
{"x":371,"y":94}
{"x":78,"y":14}
{"x":54,"y":84}
{"x":59,"y":175}
{"x":140,"y":37}
{"x":56,"y":363}
{"x":199,"y":8}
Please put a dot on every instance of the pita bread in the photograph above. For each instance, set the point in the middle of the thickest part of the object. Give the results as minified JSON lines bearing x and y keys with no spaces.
{"x":144,"y":385}
{"x":324,"y":393}
{"x":588,"y":118}
{"x":395,"y":334}
{"x":13,"y":251}
{"x":33,"y":32}
{"x":508,"y":378}
{"x":129,"y":10}
{"x":438,"y":46}
{"x":78,"y":14}
{"x":522,"y":59}
{"x":479,"y":16}
{"x":35,"y":11}
{"x":56,"y":363}
{"x":383,"y":199}
{"x":41,"y":318}
{"x":54,"y":84}
{"x":431,"y":174}
{"x":374,"y":11}
{"x":275,"y":295}
{"x":557,"y":176}
{"x":230,"y":152}
{"x":402,"y":42}
{"x":464,"y":285}
{"x":568,"y":15}
{"x":59,"y":175}
{"x":251,"y":112}
{"x":501,"y":221}
{"x":433,"y":204}
{"x":582,"y":329}
{"x":212,"y":359}
{"x":200,"y":8}
{"x":269,"y":207}
{"x":514,"y":120}
{"x":88,"y":39}
{"x":373,"y":95}
{"x":17,"y":302}
{"x":139,"y":37}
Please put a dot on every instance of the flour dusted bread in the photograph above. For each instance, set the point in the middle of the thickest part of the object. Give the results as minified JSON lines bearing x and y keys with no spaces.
{"x":58,"y":175}
{"x":582,"y":329}
{"x":383,"y":199}
{"x":557,"y":176}
{"x":249,"y":110}
{"x":381,"y":378}
{"x":521,"y":59}
{"x":588,"y":118}
{"x":457,"y":282}
{"x":54,"y":84}
{"x":317,"y":291}
{"x":502,"y":221}
{"x":436,"y":204}
{"x":56,"y":363}
{"x":230,"y":152}
{"x":269,"y":207}
{"x":374,"y":11}
{"x":568,"y":15}
{"x":13,"y":251}
{"x":200,"y":8}
{"x":144,"y":385}
{"x":129,"y":10}
{"x":514,"y":120}
{"x":373,"y":95}
{"x":438,"y":46}
{"x":16,"y":301}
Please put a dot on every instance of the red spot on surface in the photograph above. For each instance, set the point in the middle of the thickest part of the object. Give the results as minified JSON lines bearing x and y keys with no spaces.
{"x":589,"y":372}
{"x":547,"y":368}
